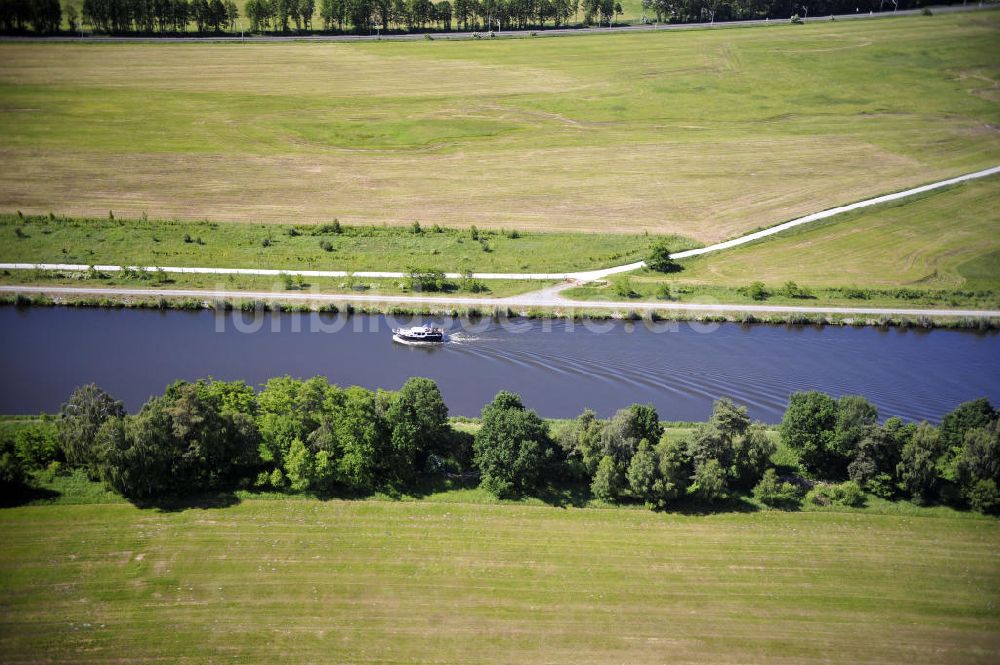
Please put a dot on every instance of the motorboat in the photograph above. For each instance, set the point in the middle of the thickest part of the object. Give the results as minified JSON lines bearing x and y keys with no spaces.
{"x":418,"y":335}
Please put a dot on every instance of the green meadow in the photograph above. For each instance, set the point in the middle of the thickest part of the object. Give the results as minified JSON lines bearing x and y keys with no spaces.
{"x":703,"y":134}
{"x":230,"y":245}
{"x":302,"y":580}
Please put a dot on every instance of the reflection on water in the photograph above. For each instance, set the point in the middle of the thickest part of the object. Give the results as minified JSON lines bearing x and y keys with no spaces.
{"x":560,"y":367}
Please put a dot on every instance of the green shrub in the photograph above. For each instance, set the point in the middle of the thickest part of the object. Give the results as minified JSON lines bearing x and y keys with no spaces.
{"x":473,"y":285}
{"x":12,"y":472}
{"x":665,"y":292}
{"x":984,"y":497}
{"x":326,"y":229}
{"x":37,"y":445}
{"x":623,"y":287}
{"x":882,"y":486}
{"x":757,"y":291}
{"x":424,"y":279}
{"x":709,"y":481}
{"x":845,"y":494}
{"x":793,"y":290}
{"x":773,"y":492}
{"x":659,"y":258}
{"x":51,"y":471}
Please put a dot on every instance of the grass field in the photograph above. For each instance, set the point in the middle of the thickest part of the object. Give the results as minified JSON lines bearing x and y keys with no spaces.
{"x":377,"y":582}
{"x":612,"y":133}
{"x":232,"y":245}
{"x":948,"y":239}
{"x":274,"y":285}
{"x":941,"y":248}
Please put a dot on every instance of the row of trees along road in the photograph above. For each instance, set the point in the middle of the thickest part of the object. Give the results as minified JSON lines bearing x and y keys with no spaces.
{"x":365,"y":16}
{"x":311,"y":436}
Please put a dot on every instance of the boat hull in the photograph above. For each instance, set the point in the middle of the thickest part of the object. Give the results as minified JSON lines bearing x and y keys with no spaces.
{"x":403,"y":339}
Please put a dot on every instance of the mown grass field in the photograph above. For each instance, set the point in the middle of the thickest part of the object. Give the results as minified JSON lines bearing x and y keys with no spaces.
{"x":375,"y":582}
{"x":941,"y":248}
{"x":706,"y":134}
{"x":231,"y":245}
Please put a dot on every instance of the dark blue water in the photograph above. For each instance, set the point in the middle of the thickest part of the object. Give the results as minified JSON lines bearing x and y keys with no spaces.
{"x":559,"y":367}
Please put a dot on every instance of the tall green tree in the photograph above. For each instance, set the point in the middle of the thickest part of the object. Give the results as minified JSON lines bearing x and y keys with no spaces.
{"x":608,"y":480}
{"x":709,"y":481}
{"x":511,"y":447}
{"x":808,"y":428}
{"x":643,"y":473}
{"x":917,"y":468}
{"x":187,"y":440}
{"x":289,"y":409}
{"x":877,"y":457}
{"x":751,"y":456}
{"x":621,"y":435}
{"x":581,"y":442}
{"x":419,"y":421}
{"x":362,"y":439}
{"x":675,"y":470}
{"x":856,"y":417}
{"x":80,"y":418}
{"x":979,"y":467}
{"x":968,"y":415}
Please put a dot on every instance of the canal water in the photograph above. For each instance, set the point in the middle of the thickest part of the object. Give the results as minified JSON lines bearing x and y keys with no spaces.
{"x":559,"y":367}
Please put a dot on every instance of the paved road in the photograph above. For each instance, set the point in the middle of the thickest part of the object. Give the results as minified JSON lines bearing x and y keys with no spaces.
{"x":550,"y":298}
{"x":506,"y":34}
{"x":584,"y":276}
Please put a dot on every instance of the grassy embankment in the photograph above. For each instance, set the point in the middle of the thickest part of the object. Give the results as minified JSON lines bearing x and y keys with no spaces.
{"x":612,"y":133}
{"x":937,"y":250}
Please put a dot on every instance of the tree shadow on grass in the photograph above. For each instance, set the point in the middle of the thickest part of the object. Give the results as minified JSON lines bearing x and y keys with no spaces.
{"x":429,"y":484}
{"x":565,"y":495}
{"x":695,"y":506}
{"x":19,"y":495}
{"x":177,"y":504}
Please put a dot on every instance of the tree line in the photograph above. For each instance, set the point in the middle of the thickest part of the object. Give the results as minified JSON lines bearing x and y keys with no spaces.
{"x":706,"y":11}
{"x":159,"y":16}
{"x":41,"y":16}
{"x":366,"y":16}
{"x":312,"y":436}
